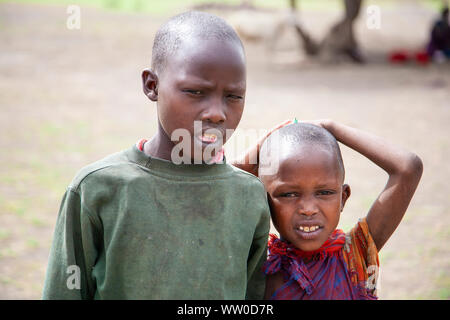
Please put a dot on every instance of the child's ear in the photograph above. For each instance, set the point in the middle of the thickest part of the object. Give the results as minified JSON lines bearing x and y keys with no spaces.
{"x":150,"y":84}
{"x":346,"y":192}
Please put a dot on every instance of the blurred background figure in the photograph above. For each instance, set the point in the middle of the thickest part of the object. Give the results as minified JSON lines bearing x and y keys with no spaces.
{"x":340,"y":40}
{"x":439,"y":46}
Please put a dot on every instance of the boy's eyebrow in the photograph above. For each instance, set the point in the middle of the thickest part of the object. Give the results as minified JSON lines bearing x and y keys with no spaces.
{"x":240,"y":86}
{"x":194,"y":81}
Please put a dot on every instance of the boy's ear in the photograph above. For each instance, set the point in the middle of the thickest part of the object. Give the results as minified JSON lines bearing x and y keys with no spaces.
{"x":150,"y":84}
{"x":346,"y":192}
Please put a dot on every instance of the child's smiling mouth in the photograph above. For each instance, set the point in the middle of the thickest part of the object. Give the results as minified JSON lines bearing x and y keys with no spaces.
{"x":308,"y":231}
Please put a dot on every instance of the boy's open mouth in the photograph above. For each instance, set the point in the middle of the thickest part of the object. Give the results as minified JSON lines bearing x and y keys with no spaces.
{"x":208,"y":138}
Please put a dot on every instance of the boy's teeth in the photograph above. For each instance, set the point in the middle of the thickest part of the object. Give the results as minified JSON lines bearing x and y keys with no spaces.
{"x":208,"y":137}
{"x":308,"y":229}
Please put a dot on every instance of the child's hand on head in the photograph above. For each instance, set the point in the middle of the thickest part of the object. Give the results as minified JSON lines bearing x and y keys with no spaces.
{"x":249,"y":161}
{"x":318,"y":122}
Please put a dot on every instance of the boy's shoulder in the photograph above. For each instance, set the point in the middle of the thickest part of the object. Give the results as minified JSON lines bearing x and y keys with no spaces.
{"x":118,"y":159}
{"x":123,"y":164}
{"x":247,"y":178}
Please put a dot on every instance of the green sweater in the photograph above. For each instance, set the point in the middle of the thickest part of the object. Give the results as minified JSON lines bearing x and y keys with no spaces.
{"x":135,"y":227}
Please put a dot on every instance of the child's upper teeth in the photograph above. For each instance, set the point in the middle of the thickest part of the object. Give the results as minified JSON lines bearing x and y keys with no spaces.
{"x":308,"y":229}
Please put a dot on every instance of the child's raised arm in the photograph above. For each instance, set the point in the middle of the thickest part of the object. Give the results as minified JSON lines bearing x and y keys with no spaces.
{"x":249,"y":160}
{"x":403,"y":167}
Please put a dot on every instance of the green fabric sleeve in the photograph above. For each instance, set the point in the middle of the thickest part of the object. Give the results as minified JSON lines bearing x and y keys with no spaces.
{"x":257,"y":256}
{"x":73,"y":252}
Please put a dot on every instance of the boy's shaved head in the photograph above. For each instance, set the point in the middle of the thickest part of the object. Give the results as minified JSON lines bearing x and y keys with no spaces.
{"x":189,"y":26}
{"x":291,"y":138}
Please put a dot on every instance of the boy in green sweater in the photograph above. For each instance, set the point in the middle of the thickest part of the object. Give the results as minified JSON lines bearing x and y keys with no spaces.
{"x":138,"y":225}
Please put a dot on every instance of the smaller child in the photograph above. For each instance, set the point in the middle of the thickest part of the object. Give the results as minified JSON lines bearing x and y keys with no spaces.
{"x":312,"y":259}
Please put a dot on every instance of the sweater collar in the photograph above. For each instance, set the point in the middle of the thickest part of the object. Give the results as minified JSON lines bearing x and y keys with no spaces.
{"x":168,"y":167}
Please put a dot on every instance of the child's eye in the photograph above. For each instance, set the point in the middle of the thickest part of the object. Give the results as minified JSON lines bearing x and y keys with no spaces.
{"x":234,"y":97}
{"x":325,"y":192}
{"x":288,"y":195}
{"x":193,"y":92}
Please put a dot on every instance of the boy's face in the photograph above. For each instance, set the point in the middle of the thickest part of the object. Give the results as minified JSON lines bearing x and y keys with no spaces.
{"x":204,"y":80}
{"x":306,"y":196}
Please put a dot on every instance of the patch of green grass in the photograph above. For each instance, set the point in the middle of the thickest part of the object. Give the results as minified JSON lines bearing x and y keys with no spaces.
{"x":50,"y":179}
{"x":5,"y":280}
{"x":37,"y":222}
{"x":37,"y":172}
{"x":385,"y":256}
{"x":442,"y":282}
{"x":17,"y":207}
{"x":7,"y":253}
{"x":403,"y":254}
{"x":444,"y":233}
{"x":413,"y":212}
{"x":444,"y":293}
{"x":51,"y":129}
{"x":4,"y":234}
{"x":32,"y":243}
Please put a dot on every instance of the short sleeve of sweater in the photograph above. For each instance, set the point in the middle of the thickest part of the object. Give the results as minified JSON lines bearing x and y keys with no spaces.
{"x":361,"y":255}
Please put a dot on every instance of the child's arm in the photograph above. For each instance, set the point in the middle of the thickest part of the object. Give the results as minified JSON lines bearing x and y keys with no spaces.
{"x":250,"y":159}
{"x":403,"y":167}
{"x":73,"y":253}
{"x":257,"y":256}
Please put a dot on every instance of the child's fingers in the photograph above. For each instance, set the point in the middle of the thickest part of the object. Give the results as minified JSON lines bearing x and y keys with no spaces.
{"x":319,"y":122}
{"x":278,"y":126}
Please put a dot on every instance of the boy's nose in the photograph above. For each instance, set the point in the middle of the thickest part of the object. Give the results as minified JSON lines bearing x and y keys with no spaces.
{"x":215,"y":113}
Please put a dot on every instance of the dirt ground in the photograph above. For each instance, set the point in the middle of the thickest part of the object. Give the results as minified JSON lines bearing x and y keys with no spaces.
{"x":70,"y":97}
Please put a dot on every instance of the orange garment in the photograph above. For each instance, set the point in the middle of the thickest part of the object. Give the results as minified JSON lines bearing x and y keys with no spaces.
{"x":361,"y":256}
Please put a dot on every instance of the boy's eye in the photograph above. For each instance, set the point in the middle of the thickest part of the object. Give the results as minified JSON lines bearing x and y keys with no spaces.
{"x":325,"y":192}
{"x":234,"y":97}
{"x":193,"y":92}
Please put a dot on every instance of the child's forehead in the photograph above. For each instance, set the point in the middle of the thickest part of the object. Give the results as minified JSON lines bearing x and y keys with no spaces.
{"x":195,"y":60}
{"x":309,"y":155}
{"x":303,"y":163}
{"x":198,"y":48}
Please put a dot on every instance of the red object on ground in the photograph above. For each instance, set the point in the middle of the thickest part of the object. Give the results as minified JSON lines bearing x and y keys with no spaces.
{"x":398,"y":57}
{"x":422,"y":57}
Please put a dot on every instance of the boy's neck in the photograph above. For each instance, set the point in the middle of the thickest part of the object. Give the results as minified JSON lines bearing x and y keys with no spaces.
{"x":159,"y":146}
